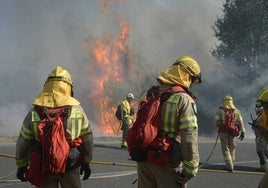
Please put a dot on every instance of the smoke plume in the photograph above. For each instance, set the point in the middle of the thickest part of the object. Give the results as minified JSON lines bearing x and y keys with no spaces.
{"x":36,"y":36}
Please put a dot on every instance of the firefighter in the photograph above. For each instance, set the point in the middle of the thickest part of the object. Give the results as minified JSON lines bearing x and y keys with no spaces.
{"x":261,"y":141}
{"x":179,"y":122}
{"x":57,"y":92}
{"x":127,"y":114}
{"x":262,"y":123}
{"x":227,"y":135}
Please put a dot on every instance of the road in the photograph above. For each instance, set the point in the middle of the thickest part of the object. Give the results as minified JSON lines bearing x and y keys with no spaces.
{"x":112,"y":168}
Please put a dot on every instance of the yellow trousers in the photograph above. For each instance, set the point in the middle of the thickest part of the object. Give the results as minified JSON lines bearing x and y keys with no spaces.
{"x":228,"y":146}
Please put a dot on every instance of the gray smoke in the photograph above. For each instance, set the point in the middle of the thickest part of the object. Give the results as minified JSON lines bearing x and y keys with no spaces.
{"x":38,"y":35}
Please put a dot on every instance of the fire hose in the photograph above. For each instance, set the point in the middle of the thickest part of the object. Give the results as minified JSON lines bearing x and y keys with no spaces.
{"x":134,"y":165}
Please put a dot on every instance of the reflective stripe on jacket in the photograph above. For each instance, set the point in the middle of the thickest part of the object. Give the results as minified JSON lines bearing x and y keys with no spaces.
{"x":178,"y":113}
{"x":220,"y":119}
{"x":178,"y":119}
{"x":125,"y":110}
{"x":77,"y":126}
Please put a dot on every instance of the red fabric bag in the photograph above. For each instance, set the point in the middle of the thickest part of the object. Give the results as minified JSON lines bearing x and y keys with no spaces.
{"x":159,"y":152}
{"x":34,"y":174}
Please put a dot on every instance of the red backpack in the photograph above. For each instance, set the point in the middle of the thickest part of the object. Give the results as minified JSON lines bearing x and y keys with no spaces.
{"x":229,"y":126}
{"x":146,"y":127}
{"x":53,"y":149}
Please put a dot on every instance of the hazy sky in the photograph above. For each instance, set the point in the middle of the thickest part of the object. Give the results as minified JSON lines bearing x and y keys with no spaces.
{"x":37,"y":35}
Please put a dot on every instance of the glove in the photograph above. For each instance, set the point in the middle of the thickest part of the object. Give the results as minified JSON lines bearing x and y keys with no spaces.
{"x":85,"y":168}
{"x":242,"y":136}
{"x":21,"y":173}
{"x":182,"y":179}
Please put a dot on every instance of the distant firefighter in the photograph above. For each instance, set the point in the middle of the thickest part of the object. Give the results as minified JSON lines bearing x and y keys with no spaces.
{"x":125,"y":113}
{"x":229,"y":124}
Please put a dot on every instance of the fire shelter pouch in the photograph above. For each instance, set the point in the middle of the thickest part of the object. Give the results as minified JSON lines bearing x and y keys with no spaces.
{"x":159,"y":152}
{"x":175,"y":152}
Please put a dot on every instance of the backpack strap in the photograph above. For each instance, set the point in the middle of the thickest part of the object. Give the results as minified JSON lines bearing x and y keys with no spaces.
{"x":42,"y":111}
{"x":183,"y":89}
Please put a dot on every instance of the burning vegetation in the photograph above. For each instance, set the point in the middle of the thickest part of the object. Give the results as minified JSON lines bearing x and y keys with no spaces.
{"x":111,"y":63}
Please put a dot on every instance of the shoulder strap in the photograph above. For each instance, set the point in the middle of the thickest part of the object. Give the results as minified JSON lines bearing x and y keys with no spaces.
{"x":182,"y":89}
{"x":167,"y":92}
{"x":178,"y":89}
{"x":45,"y":112}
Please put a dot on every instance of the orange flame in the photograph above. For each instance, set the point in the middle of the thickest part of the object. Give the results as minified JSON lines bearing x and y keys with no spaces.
{"x":106,"y":5}
{"x":107,"y":65}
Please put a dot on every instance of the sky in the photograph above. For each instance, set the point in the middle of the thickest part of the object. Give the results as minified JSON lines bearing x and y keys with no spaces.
{"x":36,"y":36}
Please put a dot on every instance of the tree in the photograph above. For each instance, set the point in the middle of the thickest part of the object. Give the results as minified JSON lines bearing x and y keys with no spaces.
{"x":243,"y":35}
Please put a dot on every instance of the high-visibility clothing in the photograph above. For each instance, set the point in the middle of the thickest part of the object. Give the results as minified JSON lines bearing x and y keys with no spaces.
{"x":178,"y":119}
{"x":263,"y":120}
{"x":77,"y":126}
{"x":220,"y":119}
{"x":127,"y":118}
{"x":228,"y":142}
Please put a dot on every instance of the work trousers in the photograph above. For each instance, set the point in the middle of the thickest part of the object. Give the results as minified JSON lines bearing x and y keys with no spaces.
{"x":125,"y":127}
{"x":228,"y":145}
{"x":71,"y":179}
{"x":261,"y":149}
{"x":156,"y":176}
{"x":264,"y":181}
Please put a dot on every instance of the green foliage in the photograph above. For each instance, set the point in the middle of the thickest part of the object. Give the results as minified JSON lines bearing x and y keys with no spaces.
{"x":242,"y":32}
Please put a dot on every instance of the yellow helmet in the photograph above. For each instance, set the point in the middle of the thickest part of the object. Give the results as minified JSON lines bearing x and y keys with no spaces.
{"x":60,"y":74}
{"x":227,"y":97}
{"x":227,"y":102}
{"x":130,"y":96}
{"x":58,"y":90}
{"x":191,"y":66}
{"x":183,"y":72}
{"x":262,"y":97}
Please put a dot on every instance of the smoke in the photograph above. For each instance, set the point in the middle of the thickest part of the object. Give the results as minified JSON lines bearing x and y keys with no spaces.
{"x":36,"y":36}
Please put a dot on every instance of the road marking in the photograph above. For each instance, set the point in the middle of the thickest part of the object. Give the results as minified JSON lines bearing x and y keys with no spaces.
{"x":93,"y":176}
{"x":112,"y":174}
{"x":236,"y":162}
{"x":234,"y":172}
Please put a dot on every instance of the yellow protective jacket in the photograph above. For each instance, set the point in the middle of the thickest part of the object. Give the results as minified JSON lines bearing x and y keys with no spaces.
{"x":77,"y":126}
{"x":263,"y":120}
{"x":179,"y":121}
{"x":125,"y":110}
{"x":261,"y":128}
{"x":220,"y":119}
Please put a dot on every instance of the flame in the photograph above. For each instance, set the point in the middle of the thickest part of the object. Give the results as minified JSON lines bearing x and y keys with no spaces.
{"x":108,"y":64}
{"x":105,"y":5}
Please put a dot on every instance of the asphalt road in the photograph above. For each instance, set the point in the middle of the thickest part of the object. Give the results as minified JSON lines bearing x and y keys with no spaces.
{"x":112,"y":168}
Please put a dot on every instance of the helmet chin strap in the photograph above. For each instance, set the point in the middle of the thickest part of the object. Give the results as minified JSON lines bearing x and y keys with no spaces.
{"x":191,"y":71}
{"x":196,"y":79}
{"x":72,"y":92}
